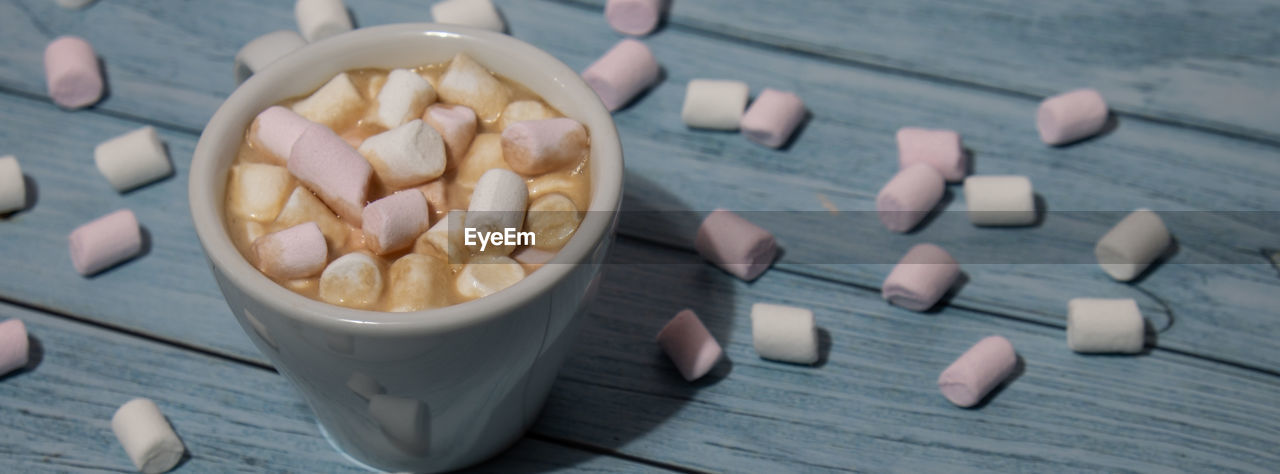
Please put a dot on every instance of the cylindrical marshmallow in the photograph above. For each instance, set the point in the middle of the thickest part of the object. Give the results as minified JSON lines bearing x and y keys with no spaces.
{"x":260,"y":52}
{"x":1000,"y":200}
{"x":633,"y":17}
{"x":521,"y":110}
{"x":407,"y":155}
{"x":456,"y":124}
{"x":13,"y":187}
{"x":473,"y":13}
{"x":146,"y":436}
{"x":1099,"y":325}
{"x":1132,"y":245}
{"x":979,"y":370}
{"x":333,"y":170}
{"x":297,"y":252}
{"x":353,"y":280}
{"x":72,"y":73}
{"x":403,"y":97}
{"x":393,"y":222}
{"x":105,"y":241}
{"x":940,"y":149}
{"x":333,"y":103}
{"x":14,"y":346}
{"x":320,"y":19}
{"x":257,"y":191}
{"x":689,"y":345}
{"x":714,"y":104}
{"x":74,"y":4}
{"x":907,"y":198}
{"x":498,"y":203}
{"x":133,"y":159}
{"x":488,"y":274}
{"x":784,"y":333}
{"x":734,"y":244}
{"x":277,"y":129}
{"x":469,"y":83}
{"x":920,"y":278}
{"x":622,"y":73}
{"x":553,"y":218}
{"x":417,"y":281}
{"x":772,"y":118}
{"x":1071,"y":116}
{"x":534,"y":147}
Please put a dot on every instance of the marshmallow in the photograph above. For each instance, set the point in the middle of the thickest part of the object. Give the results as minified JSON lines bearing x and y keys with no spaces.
{"x":979,"y":370}
{"x":562,"y":183}
{"x":735,"y":245}
{"x":622,"y":73}
{"x":393,"y":222}
{"x":522,"y":110}
{"x":14,"y":350}
{"x":333,"y":170}
{"x":260,"y":52}
{"x":468,"y":83}
{"x":296,"y":252}
{"x":497,"y":204}
{"x":474,"y":13}
{"x":302,"y":206}
{"x":1000,"y":200}
{"x":784,"y":333}
{"x":133,"y":159}
{"x":13,"y":187}
{"x":333,"y":102}
{"x":772,"y":118}
{"x":445,"y":238}
{"x":72,"y":73}
{"x":488,"y":274}
{"x":250,"y":230}
{"x":320,"y":19}
{"x":714,"y":104}
{"x":276,"y":129}
{"x":1071,"y":116}
{"x":417,"y":282}
{"x":940,"y":149}
{"x":920,"y":278}
{"x":105,"y":241}
{"x":484,"y":154}
{"x":258,"y":191}
{"x":689,"y":345}
{"x":364,"y":386}
{"x":633,"y":17}
{"x":403,"y":97}
{"x":533,"y":257}
{"x":907,"y":198}
{"x":1097,"y":325}
{"x":553,"y":219}
{"x":456,"y":124}
{"x":437,"y":197}
{"x":353,"y":280}
{"x":74,"y":4}
{"x":405,"y":421}
{"x":540,"y":146}
{"x":1132,"y":245}
{"x":146,"y":436}
{"x":407,"y":155}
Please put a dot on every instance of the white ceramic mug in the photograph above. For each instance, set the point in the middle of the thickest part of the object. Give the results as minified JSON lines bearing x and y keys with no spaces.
{"x":429,"y":390}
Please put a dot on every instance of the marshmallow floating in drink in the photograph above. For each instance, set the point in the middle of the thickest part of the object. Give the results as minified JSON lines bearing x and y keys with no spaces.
{"x":403,"y":97}
{"x":535,"y":147}
{"x":297,"y":252}
{"x":327,"y":165}
{"x":468,"y":83}
{"x":407,"y":155}
{"x":332,"y":103}
{"x":456,"y":124}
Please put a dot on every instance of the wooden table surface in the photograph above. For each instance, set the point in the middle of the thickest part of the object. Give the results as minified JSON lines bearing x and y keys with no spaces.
{"x":1194,"y":86}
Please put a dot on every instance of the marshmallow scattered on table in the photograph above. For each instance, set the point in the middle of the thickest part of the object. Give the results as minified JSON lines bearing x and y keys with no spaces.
{"x":920,"y":278}
{"x":320,"y":19}
{"x":1101,"y":325}
{"x":772,"y":118}
{"x":353,"y":280}
{"x":553,"y":218}
{"x":1000,"y":200}
{"x":784,"y":333}
{"x":146,"y":436}
{"x":302,"y":207}
{"x":74,"y":4}
{"x":689,"y":345}
{"x":497,"y":203}
{"x":72,"y":73}
{"x":468,"y":83}
{"x":488,"y":274}
{"x":456,"y":124}
{"x":13,"y":187}
{"x":14,"y":346}
{"x":133,"y":159}
{"x":407,"y":155}
{"x":633,"y":17}
{"x":736,"y":245}
{"x":297,"y":252}
{"x":416,"y":282}
{"x":1132,"y":245}
{"x":622,"y":73}
{"x":332,"y":102}
{"x":1071,"y":116}
{"x":333,"y":170}
{"x":474,"y":13}
{"x":940,"y":149}
{"x":535,"y":147}
{"x":521,"y":110}
{"x":258,"y":191}
{"x":105,"y":241}
{"x":979,"y":370}
{"x":403,"y":97}
{"x":393,"y":222}
{"x":714,"y":104}
{"x":907,"y":198}
{"x":277,"y":129}
{"x":260,"y":52}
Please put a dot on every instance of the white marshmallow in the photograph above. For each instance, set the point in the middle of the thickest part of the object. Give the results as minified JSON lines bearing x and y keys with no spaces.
{"x":1000,"y":200}
{"x":522,"y":110}
{"x":320,"y":19}
{"x":404,"y":420}
{"x":484,"y":154}
{"x":133,"y":159}
{"x":353,"y":280}
{"x":784,"y":333}
{"x":333,"y":101}
{"x":563,"y":184}
{"x":364,"y":386}
{"x":1097,"y":325}
{"x":303,"y":206}
{"x":553,"y":219}
{"x":488,"y":274}
{"x":445,"y":238}
{"x":258,"y":191}
{"x":417,"y":282}
{"x":406,"y":155}
{"x":260,"y":52}
{"x":473,"y":13}
{"x":714,"y":104}
{"x":251,"y":230}
{"x":497,"y":203}
{"x":1132,"y":245}
{"x":468,"y":83}
{"x":146,"y":436}
{"x":13,"y":187}
{"x":403,"y":97}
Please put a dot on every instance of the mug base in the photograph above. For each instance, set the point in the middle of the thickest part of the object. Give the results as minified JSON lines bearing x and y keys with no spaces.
{"x":351,"y":459}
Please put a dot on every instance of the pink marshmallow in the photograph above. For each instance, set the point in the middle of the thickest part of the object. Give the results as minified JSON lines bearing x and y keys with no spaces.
{"x":278,"y":129}
{"x":940,"y":149}
{"x":333,"y":170}
{"x":533,"y":256}
{"x":633,"y":17}
{"x":456,"y":124}
{"x":1071,"y":116}
{"x":14,"y":352}
{"x":735,"y":244}
{"x":772,"y":118}
{"x":979,"y":370}
{"x":72,"y":73}
{"x":533,"y":147}
{"x":105,"y":241}
{"x":907,"y":198}
{"x":393,"y":222}
{"x":297,"y":252}
{"x":920,"y":279}
{"x":622,"y":73}
{"x":689,"y":345}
